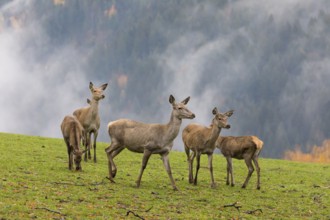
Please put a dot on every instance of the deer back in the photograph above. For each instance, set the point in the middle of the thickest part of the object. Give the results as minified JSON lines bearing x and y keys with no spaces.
{"x":238,"y":146}
{"x":136,"y":135}
{"x":72,"y":131}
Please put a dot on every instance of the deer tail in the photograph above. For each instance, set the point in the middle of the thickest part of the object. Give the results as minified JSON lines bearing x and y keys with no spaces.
{"x":259,"y":144}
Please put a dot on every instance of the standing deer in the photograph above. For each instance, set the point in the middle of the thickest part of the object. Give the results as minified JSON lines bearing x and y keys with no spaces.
{"x":73,"y":133}
{"x":89,"y":117}
{"x":244,"y":147}
{"x":146,"y":138}
{"x":201,"y":140}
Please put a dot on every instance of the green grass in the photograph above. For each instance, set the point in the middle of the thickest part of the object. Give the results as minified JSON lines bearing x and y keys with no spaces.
{"x":36,"y":184}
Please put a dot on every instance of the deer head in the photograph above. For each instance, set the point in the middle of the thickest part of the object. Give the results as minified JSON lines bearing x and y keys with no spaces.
{"x":97,"y":92}
{"x":180,"y":110}
{"x":77,"y":157}
{"x":220,"y":119}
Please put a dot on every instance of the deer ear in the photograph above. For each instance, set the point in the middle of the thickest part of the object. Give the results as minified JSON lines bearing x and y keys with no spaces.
{"x":171,"y":99}
{"x":104,"y":86}
{"x":91,"y":85}
{"x":215,"y":111}
{"x":229,"y":113}
{"x":186,"y":100}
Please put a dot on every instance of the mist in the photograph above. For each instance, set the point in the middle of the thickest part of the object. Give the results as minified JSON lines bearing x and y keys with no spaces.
{"x":268,"y":61}
{"x":37,"y":88}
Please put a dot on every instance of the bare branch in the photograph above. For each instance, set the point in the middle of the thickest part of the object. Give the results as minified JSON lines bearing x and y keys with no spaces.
{"x":136,"y":215}
{"x":66,"y":183}
{"x":253,"y":211}
{"x":233,"y":205}
{"x":49,"y":210}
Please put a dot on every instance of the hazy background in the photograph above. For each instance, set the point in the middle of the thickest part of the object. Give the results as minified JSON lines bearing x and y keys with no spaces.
{"x":268,"y":60}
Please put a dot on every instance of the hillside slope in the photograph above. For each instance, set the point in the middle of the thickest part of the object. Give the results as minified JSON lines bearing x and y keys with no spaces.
{"x":35,"y":183}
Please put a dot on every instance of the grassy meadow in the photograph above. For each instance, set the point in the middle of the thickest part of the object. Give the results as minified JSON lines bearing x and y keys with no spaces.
{"x":35,"y":183}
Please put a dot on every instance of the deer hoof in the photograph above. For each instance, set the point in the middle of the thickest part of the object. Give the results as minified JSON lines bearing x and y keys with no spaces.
{"x":175,"y":188}
{"x":258,"y":187}
{"x":213,"y":185}
{"x":137,"y":184}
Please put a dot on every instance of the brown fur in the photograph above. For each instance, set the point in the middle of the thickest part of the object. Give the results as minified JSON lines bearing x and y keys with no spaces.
{"x":146,"y":138}
{"x":72,"y":133}
{"x":243,"y":147}
{"x":89,"y":117}
{"x":200,"y":140}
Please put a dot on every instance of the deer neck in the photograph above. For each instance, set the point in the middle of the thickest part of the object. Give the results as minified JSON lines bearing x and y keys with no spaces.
{"x":74,"y":141}
{"x":214,"y":134}
{"x":173,"y":127}
{"x":94,"y":109}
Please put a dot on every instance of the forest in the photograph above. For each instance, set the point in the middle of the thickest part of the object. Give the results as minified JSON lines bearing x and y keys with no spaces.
{"x":268,"y":61}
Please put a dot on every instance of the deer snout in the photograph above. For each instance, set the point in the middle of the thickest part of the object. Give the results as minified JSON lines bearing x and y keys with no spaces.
{"x":227,"y":126}
{"x":103,"y":96}
{"x":193,"y":115}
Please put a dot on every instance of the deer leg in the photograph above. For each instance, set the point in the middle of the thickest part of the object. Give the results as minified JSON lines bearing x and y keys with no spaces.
{"x":71,"y":161}
{"x":110,"y":167}
{"x":187,"y":150}
{"x":256,"y":164}
{"x":145,"y":159}
{"x":248,"y":162}
{"x":113,"y":154}
{"x":94,"y":144}
{"x":87,"y":140}
{"x":69,"y":153}
{"x":89,"y":145}
{"x":198,"y":158}
{"x":210,"y":157}
{"x":109,"y":150}
{"x":70,"y":158}
{"x":168,"y":169}
{"x":230,"y":171}
{"x":191,"y":161}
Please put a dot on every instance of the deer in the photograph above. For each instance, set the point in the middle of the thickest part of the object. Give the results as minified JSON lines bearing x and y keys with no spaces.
{"x":89,"y":117}
{"x":201,"y":140}
{"x":148,"y":139}
{"x":73,"y":132}
{"x":241,"y":147}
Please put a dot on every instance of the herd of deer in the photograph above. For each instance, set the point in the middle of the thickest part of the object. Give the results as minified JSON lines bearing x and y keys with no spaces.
{"x":158,"y":139}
